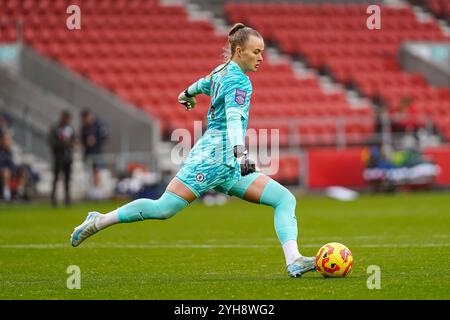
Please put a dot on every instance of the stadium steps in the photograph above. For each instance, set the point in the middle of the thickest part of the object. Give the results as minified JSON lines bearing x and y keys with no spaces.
{"x":423,"y":16}
{"x":327,"y":84}
{"x":214,"y":7}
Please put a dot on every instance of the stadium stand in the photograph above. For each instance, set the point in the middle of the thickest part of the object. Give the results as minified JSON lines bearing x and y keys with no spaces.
{"x":333,"y":37}
{"x":139,"y":51}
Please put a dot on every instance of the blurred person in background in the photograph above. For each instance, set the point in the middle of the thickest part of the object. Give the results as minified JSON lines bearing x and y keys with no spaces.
{"x":93,"y":137}
{"x":407,"y":118}
{"x":6,"y":164}
{"x":17,"y":181}
{"x":62,"y":140}
{"x":5,"y":123}
{"x":140,"y":181}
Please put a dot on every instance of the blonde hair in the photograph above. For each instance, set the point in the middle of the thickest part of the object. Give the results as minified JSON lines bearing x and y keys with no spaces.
{"x":237,"y":36}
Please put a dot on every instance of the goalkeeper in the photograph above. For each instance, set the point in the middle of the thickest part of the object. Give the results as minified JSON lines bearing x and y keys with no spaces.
{"x":219,"y":160}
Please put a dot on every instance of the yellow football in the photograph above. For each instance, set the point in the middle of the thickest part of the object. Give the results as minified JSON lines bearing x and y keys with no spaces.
{"x":334,"y":260}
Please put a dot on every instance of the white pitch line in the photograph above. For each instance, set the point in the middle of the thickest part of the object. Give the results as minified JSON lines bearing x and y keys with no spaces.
{"x":207,"y":246}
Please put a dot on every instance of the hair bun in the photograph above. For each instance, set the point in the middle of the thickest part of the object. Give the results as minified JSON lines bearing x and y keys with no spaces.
{"x":235,"y":28}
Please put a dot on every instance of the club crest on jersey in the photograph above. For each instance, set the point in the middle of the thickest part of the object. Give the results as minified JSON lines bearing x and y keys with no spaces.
{"x":240,"y":96}
{"x":200,"y":177}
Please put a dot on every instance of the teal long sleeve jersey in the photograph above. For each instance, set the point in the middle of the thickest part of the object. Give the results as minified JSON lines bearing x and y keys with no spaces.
{"x":230,"y":91}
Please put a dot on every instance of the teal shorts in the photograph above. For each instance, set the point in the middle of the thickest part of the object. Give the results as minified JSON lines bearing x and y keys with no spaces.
{"x":205,"y":175}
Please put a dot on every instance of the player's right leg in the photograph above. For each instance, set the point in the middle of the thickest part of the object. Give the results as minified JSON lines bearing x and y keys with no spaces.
{"x":176,"y":197}
{"x":259,"y":188}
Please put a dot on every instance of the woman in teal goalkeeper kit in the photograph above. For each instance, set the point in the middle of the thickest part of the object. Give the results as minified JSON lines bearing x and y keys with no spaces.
{"x":219,"y":159}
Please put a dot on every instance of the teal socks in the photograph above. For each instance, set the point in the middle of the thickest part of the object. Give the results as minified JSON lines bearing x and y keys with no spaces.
{"x":284,"y":202}
{"x":141,"y":209}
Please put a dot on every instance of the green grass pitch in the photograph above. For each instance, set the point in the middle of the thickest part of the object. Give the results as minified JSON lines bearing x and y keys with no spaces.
{"x":230,"y":251}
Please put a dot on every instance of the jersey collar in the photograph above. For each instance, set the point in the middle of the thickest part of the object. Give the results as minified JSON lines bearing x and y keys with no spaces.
{"x":235,"y":65}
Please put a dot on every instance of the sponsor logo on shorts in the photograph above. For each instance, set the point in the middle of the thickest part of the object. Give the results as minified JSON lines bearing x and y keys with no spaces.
{"x":200,"y":177}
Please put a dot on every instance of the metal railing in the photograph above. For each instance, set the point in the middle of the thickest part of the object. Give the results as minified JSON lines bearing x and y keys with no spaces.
{"x":339,"y":136}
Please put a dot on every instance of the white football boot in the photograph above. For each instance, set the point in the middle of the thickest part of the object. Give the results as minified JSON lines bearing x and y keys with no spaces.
{"x":301,"y":266}
{"x":84,"y":230}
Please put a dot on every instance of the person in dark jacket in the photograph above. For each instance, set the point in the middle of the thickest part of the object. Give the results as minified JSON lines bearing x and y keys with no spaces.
{"x":93,"y":137}
{"x":62,"y":141}
{"x":6,"y":165}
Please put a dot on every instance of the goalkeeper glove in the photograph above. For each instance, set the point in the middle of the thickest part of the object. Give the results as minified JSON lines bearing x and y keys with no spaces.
{"x":187,"y":100}
{"x":247,"y":165}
